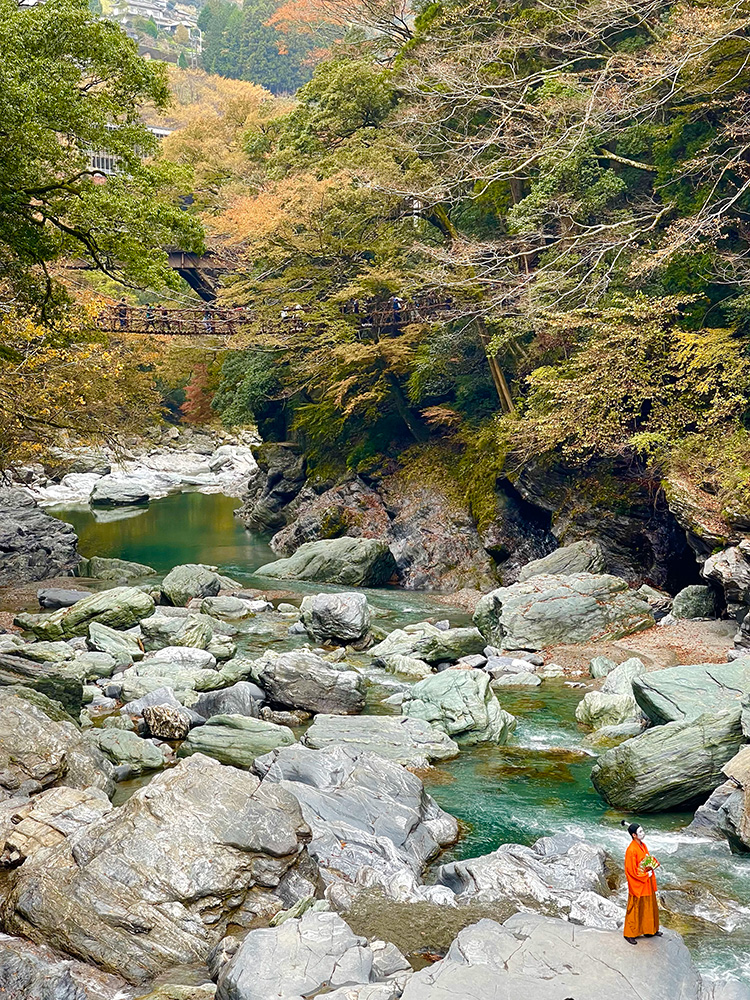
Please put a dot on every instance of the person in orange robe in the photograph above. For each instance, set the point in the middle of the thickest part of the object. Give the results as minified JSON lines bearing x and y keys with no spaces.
{"x":642,"y":915}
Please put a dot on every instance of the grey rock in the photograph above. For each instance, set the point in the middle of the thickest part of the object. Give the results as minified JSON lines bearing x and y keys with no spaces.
{"x":685,"y":692}
{"x":522,"y":678}
{"x":547,"y":610}
{"x":52,"y":598}
{"x":120,"y":608}
{"x":124,"y":647}
{"x":430,"y":643}
{"x":341,"y":618}
{"x":411,"y":742}
{"x":547,"y":959}
{"x":45,"y":748}
{"x":600,"y":666}
{"x":242,"y":698}
{"x":46,"y":652}
{"x":154,"y":883}
{"x":297,"y":958}
{"x":730,"y":569}
{"x":33,"y":545}
{"x":460,"y":703}
{"x":236,"y":739}
{"x":669,"y":765}
{"x":119,"y":570}
{"x":352,"y":562}
{"x":159,"y":696}
{"x":305,"y":680}
{"x":124,"y":747}
{"x":621,"y":679}
{"x":407,"y":666}
{"x":161,"y":630}
{"x":179,"y":658}
{"x":190,"y":580}
{"x":282,"y":476}
{"x":233,"y":608}
{"x":371,"y":819}
{"x":62,"y":682}
{"x":658,"y":600}
{"x":695,"y":601}
{"x":35,"y":972}
{"x":585,"y":556}
{"x":706,"y":819}
{"x":118,"y":491}
{"x":548,"y":879}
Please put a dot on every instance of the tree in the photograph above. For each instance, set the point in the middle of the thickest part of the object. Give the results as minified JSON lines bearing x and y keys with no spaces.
{"x":182,"y":61}
{"x":198,"y":394}
{"x":71,"y":83}
{"x":239,"y":43}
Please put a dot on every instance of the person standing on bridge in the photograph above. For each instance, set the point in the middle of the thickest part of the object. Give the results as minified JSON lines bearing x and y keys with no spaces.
{"x":208,"y":320}
{"x":150,"y":316}
{"x":122,"y":314}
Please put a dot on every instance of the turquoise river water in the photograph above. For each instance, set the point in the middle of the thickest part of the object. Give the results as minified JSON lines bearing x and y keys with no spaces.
{"x":539,"y":784}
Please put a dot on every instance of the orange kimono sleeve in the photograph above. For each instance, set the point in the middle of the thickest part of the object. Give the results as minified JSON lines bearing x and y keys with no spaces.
{"x":639,"y":883}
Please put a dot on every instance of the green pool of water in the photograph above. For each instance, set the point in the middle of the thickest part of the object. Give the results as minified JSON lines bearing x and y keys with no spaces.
{"x":539,"y":784}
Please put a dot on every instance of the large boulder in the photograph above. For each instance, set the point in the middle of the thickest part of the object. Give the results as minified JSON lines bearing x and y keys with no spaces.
{"x":351,"y":562}
{"x":155,"y":883}
{"x":123,"y":747}
{"x":370,"y":818}
{"x":54,"y":598}
{"x":190,"y":580}
{"x":120,"y":608}
{"x":696,"y":601}
{"x":61,"y":681}
{"x":614,"y":704}
{"x":341,"y":618}
{"x":123,"y":646}
{"x":40,"y":747}
{"x":733,"y":814}
{"x":281,"y":477}
{"x":236,"y":739}
{"x":462,"y":704}
{"x":546,"y":610}
{"x":411,"y":742}
{"x":585,"y":556}
{"x":669,"y":765}
{"x":685,"y":692}
{"x":242,"y":698}
{"x":300,"y":958}
{"x":425,"y":641}
{"x":542,"y":958}
{"x":34,"y":972}
{"x":548,"y":878}
{"x":120,"y":491}
{"x":305,"y":680}
{"x":730,"y":569}
{"x":33,"y":545}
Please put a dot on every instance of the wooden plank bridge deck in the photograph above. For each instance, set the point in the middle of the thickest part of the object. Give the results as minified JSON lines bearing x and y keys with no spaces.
{"x":228,"y":321}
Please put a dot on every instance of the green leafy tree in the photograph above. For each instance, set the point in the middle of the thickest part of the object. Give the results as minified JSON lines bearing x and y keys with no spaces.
{"x":182,"y":61}
{"x":239,"y":43}
{"x":71,"y":83}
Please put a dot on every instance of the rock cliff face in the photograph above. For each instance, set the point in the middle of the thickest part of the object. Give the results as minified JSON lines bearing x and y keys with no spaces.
{"x":33,"y":546}
{"x":618,"y":514}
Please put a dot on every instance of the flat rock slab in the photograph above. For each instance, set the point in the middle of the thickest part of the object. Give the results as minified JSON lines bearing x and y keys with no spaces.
{"x":370,"y":818}
{"x":669,"y":765}
{"x":541,"y":958}
{"x":574,"y":608}
{"x":685,"y":692}
{"x":119,"y":608}
{"x":411,"y":742}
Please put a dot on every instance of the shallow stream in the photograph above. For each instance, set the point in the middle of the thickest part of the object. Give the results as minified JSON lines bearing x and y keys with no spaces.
{"x":539,"y":784}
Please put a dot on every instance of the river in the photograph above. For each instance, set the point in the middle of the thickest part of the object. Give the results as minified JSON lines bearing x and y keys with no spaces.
{"x":539,"y":784}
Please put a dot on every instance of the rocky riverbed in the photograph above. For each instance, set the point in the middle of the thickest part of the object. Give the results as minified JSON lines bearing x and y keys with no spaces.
{"x":210,"y":787}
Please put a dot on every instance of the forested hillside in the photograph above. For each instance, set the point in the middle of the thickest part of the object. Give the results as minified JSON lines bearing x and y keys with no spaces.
{"x":574,"y":179}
